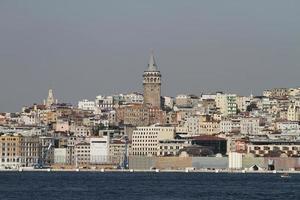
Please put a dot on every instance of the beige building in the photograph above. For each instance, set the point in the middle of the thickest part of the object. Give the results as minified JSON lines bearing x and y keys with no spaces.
{"x":183,"y":100}
{"x":277,"y":92}
{"x":2,"y":119}
{"x":10,"y":151}
{"x":293,"y":113}
{"x":17,"y":150}
{"x":62,"y":126}
{"x":117,"y":150}
{"x":48,"y":117}
{"x":171,"y":118}
{"x":209,"y":127}
{"x":81,"y":131}
{"x":82,"y":153}
{"x":140,"y":115}
{"x":227,"y":103}
{"x":145,"y":140}
{"x":294,"y":91}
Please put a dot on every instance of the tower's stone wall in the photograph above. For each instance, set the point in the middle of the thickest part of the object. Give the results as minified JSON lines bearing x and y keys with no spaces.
{"x":152,"y":88}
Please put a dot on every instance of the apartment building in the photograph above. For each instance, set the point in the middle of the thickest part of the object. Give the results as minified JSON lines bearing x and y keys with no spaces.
{"x":82,"y":153}
{"x":227,"y":103}
{"x":30,"y":149}
{"x":145,"y":140}
{"x":250,"y":126}
{"x":10,"y":151}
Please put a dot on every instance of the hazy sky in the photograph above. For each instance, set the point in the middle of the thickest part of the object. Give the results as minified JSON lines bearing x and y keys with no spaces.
{"x":90,"y":47}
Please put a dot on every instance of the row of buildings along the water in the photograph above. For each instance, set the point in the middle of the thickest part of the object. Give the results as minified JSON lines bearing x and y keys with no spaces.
{"x":113,"y":130}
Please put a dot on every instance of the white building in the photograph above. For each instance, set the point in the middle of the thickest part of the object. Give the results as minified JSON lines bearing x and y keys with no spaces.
{"x":250,"y":126}
{"x":208,"y":96}
{"x":193,"y":125}
{"x":86,"y":105}
{"x":230,"y":125}
{"x":242,"y":103}
{"x":30,"y":118}
{"x":60,"y":155}
{"x":235,"y":160}
{"x":134,"y":98}
{"x":99,"y":150}
{"x":287,"y":126}
{"x":226,"y":126}
{"x":168,"y":102}
{"x":105,"y":102}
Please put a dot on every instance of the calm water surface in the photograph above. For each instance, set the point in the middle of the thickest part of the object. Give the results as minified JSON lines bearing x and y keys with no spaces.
{"x":150,"y":186}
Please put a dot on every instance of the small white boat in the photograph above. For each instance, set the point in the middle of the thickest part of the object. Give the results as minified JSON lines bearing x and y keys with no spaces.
{"x":285,"y":175}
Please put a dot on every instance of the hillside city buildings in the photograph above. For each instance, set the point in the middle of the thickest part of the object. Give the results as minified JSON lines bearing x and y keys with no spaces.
{"x":127,"y":129}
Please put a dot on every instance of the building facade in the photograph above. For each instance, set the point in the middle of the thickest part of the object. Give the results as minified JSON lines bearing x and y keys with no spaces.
{"x":99,"y":149}
{"x":145,"y":140}
{"x":10,"y":151}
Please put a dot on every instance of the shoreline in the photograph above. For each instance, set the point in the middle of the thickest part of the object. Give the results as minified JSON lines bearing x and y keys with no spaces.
{"x":228,"y":171}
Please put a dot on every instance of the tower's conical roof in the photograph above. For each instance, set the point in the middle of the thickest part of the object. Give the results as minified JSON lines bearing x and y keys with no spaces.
{"x":152,"y":65}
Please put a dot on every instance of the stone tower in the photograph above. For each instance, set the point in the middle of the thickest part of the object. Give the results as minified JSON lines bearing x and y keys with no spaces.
{"x":152,"y":84}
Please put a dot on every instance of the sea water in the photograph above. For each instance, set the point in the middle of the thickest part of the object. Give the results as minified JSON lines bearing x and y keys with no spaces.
{"x":150,"y":186}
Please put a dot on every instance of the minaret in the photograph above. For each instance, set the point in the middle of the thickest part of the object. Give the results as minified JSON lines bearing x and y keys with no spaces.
{"x":152,"y":84}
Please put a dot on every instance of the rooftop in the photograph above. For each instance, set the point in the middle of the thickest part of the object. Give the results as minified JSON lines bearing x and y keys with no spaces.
{"x":207,"y":138}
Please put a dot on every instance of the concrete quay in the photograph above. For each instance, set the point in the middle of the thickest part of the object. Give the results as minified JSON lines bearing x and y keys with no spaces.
{"x":151,"y":171}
